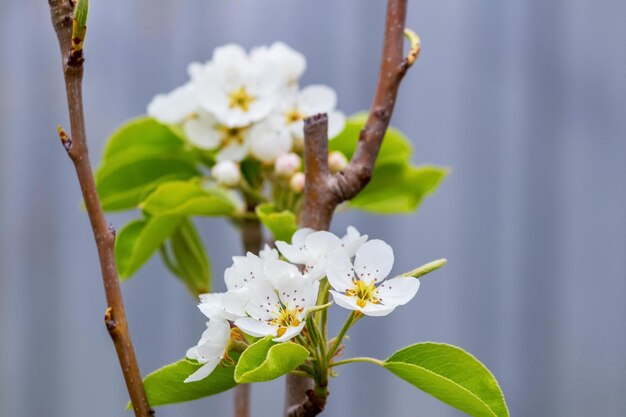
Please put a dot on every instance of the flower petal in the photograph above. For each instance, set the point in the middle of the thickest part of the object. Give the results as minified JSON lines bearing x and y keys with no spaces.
{"x":318,"y":244}
{"x":254,"y":327}
{"x":377,"y":310}
{"x":398,"y":291}
{"x":277,"y":272}
{"x":290,"y":333}
{"x":340,"y":271}
{"x":317,"y":99}
{"x":374,"y":260}
{"x":345,"y":301}
{"x":202,"y":133}
{"x":336,"y":123}
{"x":232,"y":152}
{"x":204,"y":371}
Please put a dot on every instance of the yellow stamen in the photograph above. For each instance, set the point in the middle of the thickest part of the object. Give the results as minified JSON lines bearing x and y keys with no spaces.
{"x":293,"y":116}
{"x":364,"y":293}
{"x":231,"y":134}
{"x":240,"y":98}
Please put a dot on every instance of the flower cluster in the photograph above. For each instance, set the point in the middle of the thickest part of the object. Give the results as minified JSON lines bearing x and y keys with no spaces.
{"x":241,"y":105}
{"x":268,"y":296}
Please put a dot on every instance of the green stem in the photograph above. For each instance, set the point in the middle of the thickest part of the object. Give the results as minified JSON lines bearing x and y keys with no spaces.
{"x":323,"y":299}
{"x":355,"y":360}
{"x":346,"y":326}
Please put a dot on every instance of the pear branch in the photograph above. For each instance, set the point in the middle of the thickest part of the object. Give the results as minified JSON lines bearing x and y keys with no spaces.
{"x":70,"y":28}
{"x":324,"y":191}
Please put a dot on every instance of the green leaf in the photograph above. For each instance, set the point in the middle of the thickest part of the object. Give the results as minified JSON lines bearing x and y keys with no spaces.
{"x":138,"y":241}
{"x":282,"y":224}
{"x":251,"y":170}
{"x":396,"y":148}
{"x":188,"y":198}
{"x":138,"y":156}
{"x":451,"y":375}
{"x":190,"y":261}
{"x":397,"y":188}
{"x":166,"y":386}
{"x":265,"y":360}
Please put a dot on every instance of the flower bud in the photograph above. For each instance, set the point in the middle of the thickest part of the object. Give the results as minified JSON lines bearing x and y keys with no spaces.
{"x":337,"y":161}
{"x":287,"y":164}
{"x":296,"y":183}
{"x":227,"y":173}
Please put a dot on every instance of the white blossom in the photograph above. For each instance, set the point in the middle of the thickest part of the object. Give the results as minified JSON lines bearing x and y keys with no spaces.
{"x":206,"y":132}
{"x":314,"y":99}
{"x":311,"y":248}
{"x":268,"y":253}
{"x":226,"y":173}
{"x":282,"y":60}
{"x":235,"y":90}
{"x":175,"y":106}
{"x":268,"y":140}
{"x":279,"y":305}
{"x":361,"y":285}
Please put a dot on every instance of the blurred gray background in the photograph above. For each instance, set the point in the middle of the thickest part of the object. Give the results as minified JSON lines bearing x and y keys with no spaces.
{"x":525,"y":100}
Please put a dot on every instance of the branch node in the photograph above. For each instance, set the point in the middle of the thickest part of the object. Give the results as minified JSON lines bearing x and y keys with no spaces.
{"x":66,"y":141}
{"x":109,"y":320}
{"x":112,"y":230}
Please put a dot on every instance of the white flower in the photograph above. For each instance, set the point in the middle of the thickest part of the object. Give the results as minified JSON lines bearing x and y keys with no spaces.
{"x":245,"y":272}
{"x":310,"y":101}
{"x":226,"y":173}
{"x":279,"y":305}
{"x":311,"y":248}
{"x":355,"y":285}
{"x":268,"y":253}
{"x":234,"y":89}
{"x":282,"y":60}
{"x":205,"y":132}
{"x":287,"y":164}
{"x":268,"y":140}
{"x":175,"y":106}
{"x":211,"y":348}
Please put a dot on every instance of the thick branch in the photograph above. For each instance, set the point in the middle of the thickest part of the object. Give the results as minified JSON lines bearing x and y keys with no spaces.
{"x":115,"y":317}
{"x":324,"y":191}
{"x":252,"y":239}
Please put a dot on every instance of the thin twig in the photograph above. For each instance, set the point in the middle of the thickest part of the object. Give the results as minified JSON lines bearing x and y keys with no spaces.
{"x":76,"y":146}
{"x":325,"y":191}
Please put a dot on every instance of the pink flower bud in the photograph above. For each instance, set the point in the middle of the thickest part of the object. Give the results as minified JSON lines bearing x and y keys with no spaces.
{"x":287,"y":164}
{"x":337,"y":161}
{"x":296,"y":183}
{"x":227,"y":173}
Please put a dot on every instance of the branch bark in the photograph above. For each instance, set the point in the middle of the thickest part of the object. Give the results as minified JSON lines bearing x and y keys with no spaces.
{"x":324,"y":191}
{"x":252,"y":239}
{"x":76,"y":146}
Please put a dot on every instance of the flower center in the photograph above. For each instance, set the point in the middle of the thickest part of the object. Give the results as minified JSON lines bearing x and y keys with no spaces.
{"x":364,"y":293}
{"x":241,"y":99}
{"x":231,"y":134}
{"x":286,"y":318}
{"x":293,"y":116}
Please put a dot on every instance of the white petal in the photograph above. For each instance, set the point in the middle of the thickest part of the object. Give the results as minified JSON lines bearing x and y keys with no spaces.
{"x":211,"y":305}
{"x":277,"y":272}
{"x":299,"y":237}
{"x":264,"y":301}
{"x":268,"y":141}
{"x":336,"y":123}
{"x":232,"y":152}
{"x":214,"y":340}
{"x":374,"y":260}
{"x":317,"y":99}
{"x":254,"y":327}
{"x":173,"y":107}
{"x":345,"y":301}
{"x":230,"y":54}
{"x":204,"y":371}
{"x":318,"y":244}
{"x":377,"y":310}
{"x":352,"y":247}
{"x":290,"y":333}
{"x":317,"y":271}
{"x":340,"y":271}
{"x":202,"y":133}
{"x":398,"y":291}
{"x":235,"y":302}
{"x":268,"y":253}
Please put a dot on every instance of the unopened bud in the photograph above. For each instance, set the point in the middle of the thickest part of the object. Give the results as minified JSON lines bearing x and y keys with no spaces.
{"x":337,"y":161}
{"x":296,"y":183}
{"x":287,"y":164}
{"x":227,"y":173}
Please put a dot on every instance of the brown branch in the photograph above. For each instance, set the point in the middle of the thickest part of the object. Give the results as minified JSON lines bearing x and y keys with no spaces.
{"x":252,"y":239}
{"x":324,"y":191}
{"x":76,"y":146}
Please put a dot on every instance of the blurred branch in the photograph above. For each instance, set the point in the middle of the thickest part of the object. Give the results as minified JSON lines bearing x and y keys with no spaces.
{"x":252,"y":239}
{"x":70,"y":33}
{"x":324,"y":191}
